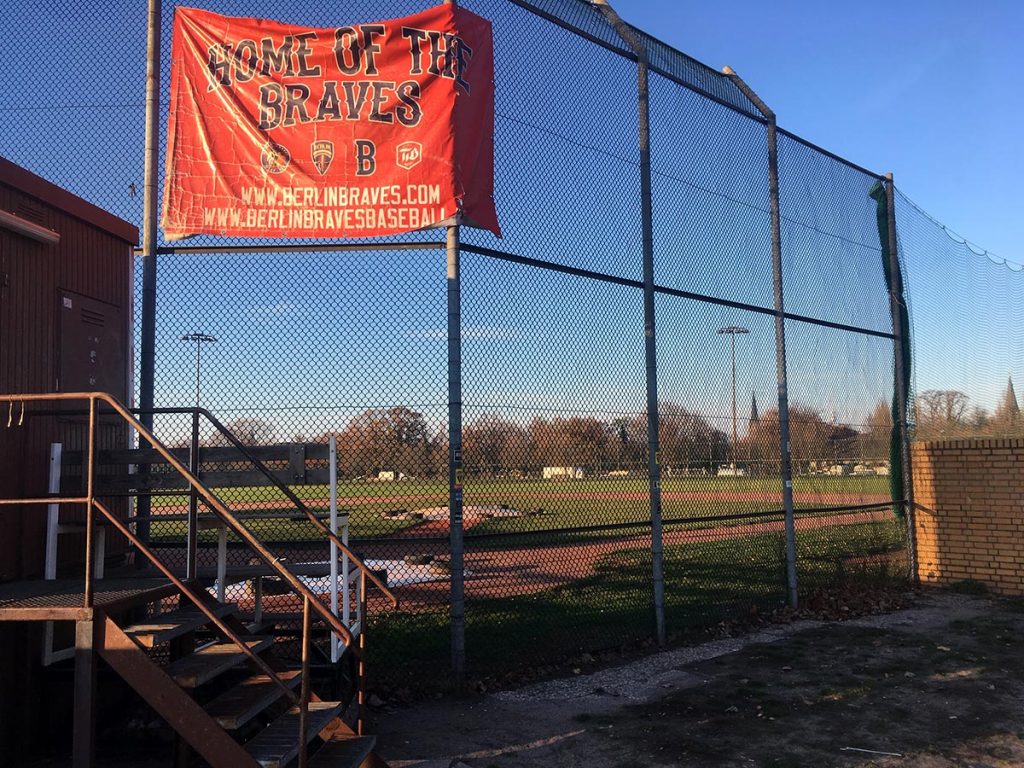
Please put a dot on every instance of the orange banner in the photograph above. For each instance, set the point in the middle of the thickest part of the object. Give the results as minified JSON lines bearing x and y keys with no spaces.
{"x":351,"y":132}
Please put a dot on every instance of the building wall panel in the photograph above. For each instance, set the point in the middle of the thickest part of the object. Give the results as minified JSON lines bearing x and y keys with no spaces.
{"x":91,"y":261}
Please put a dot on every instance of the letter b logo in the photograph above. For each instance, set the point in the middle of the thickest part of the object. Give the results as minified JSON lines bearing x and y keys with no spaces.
{"x":366,"y":162}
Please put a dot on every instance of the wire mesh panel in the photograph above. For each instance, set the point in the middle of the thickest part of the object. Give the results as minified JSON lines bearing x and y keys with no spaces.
{"x":841,"y":394}
{"x":554,"y":442}
{"x":832,"y":256}
{"x":712,"y":233}
{"x":306,"y":346}
{"x":966,"y":307}
{"x":566,"y":184}
{"x":721,"y":492}
{"x":840,"y":390}
{"x":79,"y":124}
{"x":849,"y":550}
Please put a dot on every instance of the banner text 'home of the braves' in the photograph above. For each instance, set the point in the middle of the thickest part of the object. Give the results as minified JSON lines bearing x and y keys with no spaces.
{"x":354,"y":131}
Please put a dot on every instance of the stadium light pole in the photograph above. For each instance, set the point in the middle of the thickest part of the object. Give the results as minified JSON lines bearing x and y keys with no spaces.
{"x":199,"y":339}
{"x":732,"y":331}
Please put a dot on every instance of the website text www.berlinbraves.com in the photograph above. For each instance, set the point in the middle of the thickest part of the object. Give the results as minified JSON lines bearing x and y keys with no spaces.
{"x":349,"y":208}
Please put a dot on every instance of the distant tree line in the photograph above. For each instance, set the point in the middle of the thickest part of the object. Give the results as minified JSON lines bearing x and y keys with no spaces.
{"x":941,"y":414}
{"x":400,"y":439}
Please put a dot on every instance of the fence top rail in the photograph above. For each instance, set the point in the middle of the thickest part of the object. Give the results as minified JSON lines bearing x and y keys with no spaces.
{"x":663,"y":59}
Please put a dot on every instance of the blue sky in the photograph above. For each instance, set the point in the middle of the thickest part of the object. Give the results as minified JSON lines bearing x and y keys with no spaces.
{"x":925,"y":89}
{"x":546,"y":344}
{"x":929,"y":90}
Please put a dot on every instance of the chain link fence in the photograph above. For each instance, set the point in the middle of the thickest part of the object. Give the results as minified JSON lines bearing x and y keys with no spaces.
{"x":350,"y":343}
{"x":967,"y":305}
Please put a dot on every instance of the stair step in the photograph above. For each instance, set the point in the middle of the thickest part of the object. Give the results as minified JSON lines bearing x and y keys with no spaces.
{"x":271,"y":620}
{"x":237,"y":706}
{"x":264,"y":627}
{"x":343,"y":752}
{"x":167,"y":626}
{"x":208,"y":661}
{"x":278,"y":744}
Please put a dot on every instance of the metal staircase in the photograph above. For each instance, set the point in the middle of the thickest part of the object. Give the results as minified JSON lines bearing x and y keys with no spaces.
{"x":228,"y":709}
{"x":223,"y":683}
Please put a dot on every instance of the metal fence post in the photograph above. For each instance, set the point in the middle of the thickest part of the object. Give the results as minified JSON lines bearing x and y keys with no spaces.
{"x":151,"y":196}
{"x":458,"y":608}
{"x":630,"y":38}
{"x":458,"y":599}
{"x":898,"y":309}
{"x":785,"y":456}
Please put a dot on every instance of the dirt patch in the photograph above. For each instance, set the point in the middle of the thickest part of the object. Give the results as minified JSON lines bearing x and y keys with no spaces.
{"x":524,"y":571}
{"x":824,"y":695}
{"x":813,"y":498}
{"x":937,"y":685}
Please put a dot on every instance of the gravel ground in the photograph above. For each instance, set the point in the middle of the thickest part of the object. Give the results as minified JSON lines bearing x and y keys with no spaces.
{"x":938,"y":684}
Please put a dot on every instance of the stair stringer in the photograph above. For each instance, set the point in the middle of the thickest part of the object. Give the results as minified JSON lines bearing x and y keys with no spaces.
{"x":175,"y":706}
{"x":339,"y":729}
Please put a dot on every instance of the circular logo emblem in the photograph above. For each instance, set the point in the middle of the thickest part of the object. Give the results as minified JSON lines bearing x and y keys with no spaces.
{"x":274,"y":157}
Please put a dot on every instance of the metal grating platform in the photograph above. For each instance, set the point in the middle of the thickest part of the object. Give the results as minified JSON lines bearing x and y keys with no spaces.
{"x":64,"y":599}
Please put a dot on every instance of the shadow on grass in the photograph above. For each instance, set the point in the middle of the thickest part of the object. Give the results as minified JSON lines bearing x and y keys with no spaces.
{"x":611,"y":609}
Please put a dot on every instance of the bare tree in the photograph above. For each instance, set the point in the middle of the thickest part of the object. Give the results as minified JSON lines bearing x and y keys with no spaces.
{"x":249,"y":430}
{"x":878,"y":433}
{"x":386,"y":439}
{"x":941,"y":413}
{"x":811,"y":438}
{"x":577,"y":441}
{"x":491,"y":443}
{"x":685,"y":438}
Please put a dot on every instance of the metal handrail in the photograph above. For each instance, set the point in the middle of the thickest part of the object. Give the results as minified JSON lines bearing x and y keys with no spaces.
{"x":288,"y":492}
{"x":210,"y":498}
{"x":92,"y":504}
{"x":197,"y":488}
{"x":304,"y":689}
{"x":200,"y":604}
{"x":277,"y":483}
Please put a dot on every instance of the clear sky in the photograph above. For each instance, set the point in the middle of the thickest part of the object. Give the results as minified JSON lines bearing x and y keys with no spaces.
{"x":832,"y":76}
{"x":927,"y":89}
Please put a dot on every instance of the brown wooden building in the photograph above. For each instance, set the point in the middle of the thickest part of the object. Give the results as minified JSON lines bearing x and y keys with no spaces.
{"x":65,"y":325}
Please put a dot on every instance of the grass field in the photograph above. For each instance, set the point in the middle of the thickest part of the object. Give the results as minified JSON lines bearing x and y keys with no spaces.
{"x":704,"y":583}
{"x":565,"y":504}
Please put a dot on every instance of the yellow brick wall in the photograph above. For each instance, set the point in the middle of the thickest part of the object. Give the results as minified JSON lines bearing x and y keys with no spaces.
{"x":969,"y":497}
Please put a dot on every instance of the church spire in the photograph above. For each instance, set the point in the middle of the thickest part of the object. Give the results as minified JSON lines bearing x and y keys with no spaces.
{"x":1008,"y":408}
{"x":754,"y":417}
{"x":1011,"y":396}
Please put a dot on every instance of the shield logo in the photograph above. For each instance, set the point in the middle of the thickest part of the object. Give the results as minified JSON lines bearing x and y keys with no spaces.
{"x":274,"y":157}
{"x":323,"y":153}
{"x":408,"y":154}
